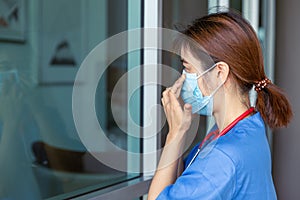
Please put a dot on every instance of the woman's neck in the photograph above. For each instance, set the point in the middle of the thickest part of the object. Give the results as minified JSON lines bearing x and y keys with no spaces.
{"x":229,"y":112}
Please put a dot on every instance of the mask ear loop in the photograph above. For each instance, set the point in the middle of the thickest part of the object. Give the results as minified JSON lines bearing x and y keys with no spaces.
{"x":203,"y":73}
{"x":215,"y":91}
{"x":207,"y":70}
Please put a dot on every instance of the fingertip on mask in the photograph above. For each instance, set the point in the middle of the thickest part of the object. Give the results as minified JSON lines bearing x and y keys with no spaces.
{"x":188,"y":106}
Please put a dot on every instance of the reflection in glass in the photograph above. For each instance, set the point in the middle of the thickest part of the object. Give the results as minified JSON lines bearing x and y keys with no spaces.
{"x":41,"y":153}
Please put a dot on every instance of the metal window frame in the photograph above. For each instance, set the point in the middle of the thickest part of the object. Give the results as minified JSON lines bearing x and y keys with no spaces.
{"x":126,"y":191}
{"x":270,"y":28}
{"x":150,"y":74}
{"x":217,"y":5}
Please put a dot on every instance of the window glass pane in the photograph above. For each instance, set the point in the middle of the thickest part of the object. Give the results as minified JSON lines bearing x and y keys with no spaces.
{"x":42,"y":46}
{"x":177,"y":15}
{"x":236,"y":5}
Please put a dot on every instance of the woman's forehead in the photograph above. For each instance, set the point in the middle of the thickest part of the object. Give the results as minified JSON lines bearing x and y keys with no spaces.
{"x":196,"y":57}
{"x":188,"y":56}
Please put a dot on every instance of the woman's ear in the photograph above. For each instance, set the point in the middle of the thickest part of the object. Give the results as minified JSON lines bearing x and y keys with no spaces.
{"x":222,"y":71}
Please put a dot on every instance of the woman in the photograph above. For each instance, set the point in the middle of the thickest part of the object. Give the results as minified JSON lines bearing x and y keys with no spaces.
{"x":234,"y":160}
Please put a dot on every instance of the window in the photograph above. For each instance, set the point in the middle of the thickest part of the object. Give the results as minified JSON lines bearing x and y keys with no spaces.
{"x":45,"y":153}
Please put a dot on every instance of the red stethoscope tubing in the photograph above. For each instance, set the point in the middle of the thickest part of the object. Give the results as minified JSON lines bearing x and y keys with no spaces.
{"x":227,"y":128}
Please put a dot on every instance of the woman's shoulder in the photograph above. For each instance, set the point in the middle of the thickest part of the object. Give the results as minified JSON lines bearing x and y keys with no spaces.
{"x":251,"y":123}
{"x":249,"y":130}
{"x":246,"y":142}
{"x":239,"y":145}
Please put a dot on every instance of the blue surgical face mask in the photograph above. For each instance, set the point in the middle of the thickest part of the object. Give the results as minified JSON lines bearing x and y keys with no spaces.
{"x":191,"y":94}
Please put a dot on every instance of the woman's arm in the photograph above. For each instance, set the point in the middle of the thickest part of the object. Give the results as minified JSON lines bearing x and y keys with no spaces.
{"x":180,"y":166}
{"x":179,"y":121}
{"x":169,"y":167}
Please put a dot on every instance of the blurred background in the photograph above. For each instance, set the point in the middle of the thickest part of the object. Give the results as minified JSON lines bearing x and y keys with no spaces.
{"x":42,"y":45}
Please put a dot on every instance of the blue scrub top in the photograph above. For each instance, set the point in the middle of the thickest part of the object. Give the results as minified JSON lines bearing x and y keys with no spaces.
{"x":236,"y":166}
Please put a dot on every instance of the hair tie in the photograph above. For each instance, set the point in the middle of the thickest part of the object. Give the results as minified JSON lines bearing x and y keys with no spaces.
{"x":259,"y":85}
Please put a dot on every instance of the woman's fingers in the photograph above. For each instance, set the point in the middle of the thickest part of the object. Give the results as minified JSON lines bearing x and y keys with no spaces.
{"x":187,"y":117}
{"x":179,"y":119}
{"x":176,"y":88}
{"x":165,"y":97}
{"x":173,"y":98}
{"x":187,"y":111}
{"x":170,"y":102}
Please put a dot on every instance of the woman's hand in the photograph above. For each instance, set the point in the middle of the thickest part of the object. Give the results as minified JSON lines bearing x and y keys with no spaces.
{"x":179,"y":119}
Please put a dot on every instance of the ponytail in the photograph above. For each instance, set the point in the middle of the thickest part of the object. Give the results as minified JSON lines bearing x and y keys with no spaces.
{"x":273,"y":106}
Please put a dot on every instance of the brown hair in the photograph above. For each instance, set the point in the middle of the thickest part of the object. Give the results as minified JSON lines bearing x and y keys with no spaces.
{"x":228,"y":37}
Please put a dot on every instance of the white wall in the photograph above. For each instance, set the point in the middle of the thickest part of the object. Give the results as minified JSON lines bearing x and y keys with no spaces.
{"x":286,"y":164}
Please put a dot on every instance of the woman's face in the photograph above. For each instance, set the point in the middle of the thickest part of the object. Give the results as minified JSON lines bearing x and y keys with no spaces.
{"x":194,"y":65}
